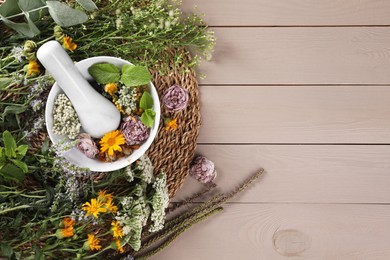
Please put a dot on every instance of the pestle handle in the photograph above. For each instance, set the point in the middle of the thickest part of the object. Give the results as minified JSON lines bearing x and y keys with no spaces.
{"x":96,"y":113}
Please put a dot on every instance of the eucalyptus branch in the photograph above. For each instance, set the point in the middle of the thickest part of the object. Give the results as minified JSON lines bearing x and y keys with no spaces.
{"x":22,"y":13}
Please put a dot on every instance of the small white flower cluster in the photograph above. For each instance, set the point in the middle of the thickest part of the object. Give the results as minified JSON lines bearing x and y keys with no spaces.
{"x":160,"y":201}
{"x":65,"y":120}
{"x":129,"y":174}
{"x":17,"y":53}
{"x":146,"y":169}
{"x":128,"y":99}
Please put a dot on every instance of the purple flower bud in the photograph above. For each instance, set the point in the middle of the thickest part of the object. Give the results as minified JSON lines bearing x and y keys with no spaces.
{"x":203,"y":170}
{"x":87,"y":146}
{"x":134,"y":131}
{"x":175,"y":98}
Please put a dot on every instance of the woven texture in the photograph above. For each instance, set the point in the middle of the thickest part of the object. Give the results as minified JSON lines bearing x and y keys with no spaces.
{"x":173,"y":151}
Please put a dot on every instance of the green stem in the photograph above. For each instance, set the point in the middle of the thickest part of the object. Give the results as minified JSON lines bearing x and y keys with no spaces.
{"x":15,"y":208}
{"x":19,"y":14}
{"x":98,"y":253}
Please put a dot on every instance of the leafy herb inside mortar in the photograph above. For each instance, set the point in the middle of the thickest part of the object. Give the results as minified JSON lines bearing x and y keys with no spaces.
{"x":128,"y":81}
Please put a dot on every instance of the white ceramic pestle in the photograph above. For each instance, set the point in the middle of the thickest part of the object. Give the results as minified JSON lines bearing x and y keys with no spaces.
{"x":97,"y":114}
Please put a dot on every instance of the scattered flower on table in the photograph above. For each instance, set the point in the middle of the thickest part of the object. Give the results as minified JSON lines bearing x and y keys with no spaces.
{"x":93,"y":243}
{"x":203,"y":170}
{"x":69,"y":44}
{"x":170,"y":124}
{"x":175,"y":98}
{"x":33,"y":68}
{"x":95,"y":207}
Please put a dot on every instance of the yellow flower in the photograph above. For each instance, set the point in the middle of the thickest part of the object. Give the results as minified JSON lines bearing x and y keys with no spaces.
{"x":66,"y":232}
{"x":93,"y":242}
{"x":117,"y":231}
{"x":170,"y":124}
{"x":69,"y":44}
{"x":119,"y":247}
{"x":104,"y":196}
{"x":33,"y":68}
{"x":111,"y":207}
{"x":111,"y":142}
{"x":94,"y":208}
{"x":111,"y":88}
{"x":68,"y":222}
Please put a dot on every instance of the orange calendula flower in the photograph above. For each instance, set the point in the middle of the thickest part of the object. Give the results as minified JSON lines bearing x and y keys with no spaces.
{"x":69,"y":44}
{"x":104,"y":196}
{"x":117,"y":231}
{"x":68,"y":222}
{"x":111,"y":207}
{"x":93,"y":242}
{"x":111,"y":142}
{"x":111,"y":88}
{"x":66,"y":232}
{"x":94,"y":207}
{"x":170,"y":124}
{"x":119,"y":247}
{"x":33,"y":68}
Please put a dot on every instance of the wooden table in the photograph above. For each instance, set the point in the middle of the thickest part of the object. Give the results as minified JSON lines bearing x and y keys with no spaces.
{"x":300,"y":88}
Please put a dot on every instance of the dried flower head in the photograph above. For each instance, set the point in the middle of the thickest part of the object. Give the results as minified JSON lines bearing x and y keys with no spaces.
{"x":175,"y":98}
{"x":86,"y":145}
{"x":112,"y":142}
{"x":202,"y":169}
{"x":134,"y":131}
{"x":68,"y":43}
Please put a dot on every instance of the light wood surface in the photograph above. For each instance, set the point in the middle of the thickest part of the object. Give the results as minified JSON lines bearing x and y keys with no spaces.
{"x":291,"y":12}
{"x":282,"y":231}
{"x":301,"y":173}
{"x":330,"y":55}
{"x":301,"y":88}
{"x":295,"y":114}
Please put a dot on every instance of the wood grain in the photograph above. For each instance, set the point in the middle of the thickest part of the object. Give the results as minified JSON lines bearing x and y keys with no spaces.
{"x":305,"y":114}
{"x":273,"y":232}
{"x":300,"y":174}
{"x":291,"y":12}
{"x":300,"y":56}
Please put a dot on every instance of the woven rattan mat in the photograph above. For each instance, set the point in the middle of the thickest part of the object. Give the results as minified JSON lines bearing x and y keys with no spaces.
{"x":172,"y":151}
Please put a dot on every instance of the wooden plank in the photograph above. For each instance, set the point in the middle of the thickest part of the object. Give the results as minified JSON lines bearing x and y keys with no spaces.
{"x":253,"y":232}
{"x":334,"y":55}
{"x":291,"y":12}
{"x":305,"y":114}
{"x":300,"y":174}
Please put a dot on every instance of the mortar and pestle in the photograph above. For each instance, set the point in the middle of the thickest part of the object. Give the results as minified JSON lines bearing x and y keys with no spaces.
{"x":97,"y":114}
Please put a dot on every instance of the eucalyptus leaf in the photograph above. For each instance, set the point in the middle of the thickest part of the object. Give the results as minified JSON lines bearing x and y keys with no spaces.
{"x":88,"y":5}
{"x":147,"y":117}
{"x":135,"y":75}
{"x":4,"y":82}
{"x":9,"y":144}
{"x":11,"y":172}
{"x":34,"y":29}
{"x":25,"y":29}
{"x":10,"y":7}
{"x":64,"y":15}
{"x":104,"y":73}
{"x":13,"y":110}
{"x":20,"y":164}
{"x":146,"y":101}
{"x":28,"y":5}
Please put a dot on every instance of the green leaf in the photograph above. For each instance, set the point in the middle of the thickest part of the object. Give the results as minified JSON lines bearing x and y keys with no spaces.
{"x":9,"y":144}
{"x":20,"y":164}
{"x":9,"y":110}
{"x":135,"y":75}
{"x":64,"y":15}
{"x":88,"y":5}
{"x":147,"y":117}
{"x":9,"y":8}
{"x":146,"y":101}
{"x":6,"y":250}
{"x":104,"y":73}
{"x":28,"y":5}
{"x":45,"y":146}
{"x":22,"y":150}
{"x":25,"y":29}
{"x":4,"y":82}
{"x":11,"y":172}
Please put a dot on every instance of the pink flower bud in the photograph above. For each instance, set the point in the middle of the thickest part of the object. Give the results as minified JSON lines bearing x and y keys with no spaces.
{"x":203,"y":170}
{"x":175,"y":98}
